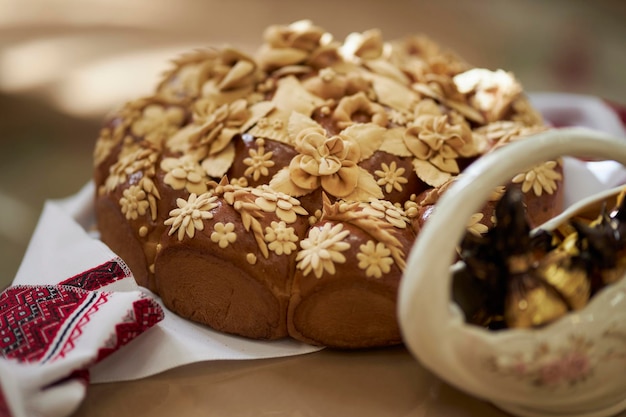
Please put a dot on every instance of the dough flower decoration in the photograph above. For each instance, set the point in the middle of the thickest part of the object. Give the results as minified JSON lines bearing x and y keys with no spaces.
{"x":541,"y":178}
{"x":442,"y":89}
{"x":330,"y":162}
{"x":383,"y":209}
{"x":391,"y":177}
{"x":184,"y":173}
{"x":258,"y":161}
{"x":140,"y":163}
{"x":134,"y":202}
{"x":390,"y":83}
{"x":298,"y":43}
{"x":209,"y":137}
{"x":365,"y":45}
{"x":134,"y":160}
{"x":184,"y":80}
{"x":284,"y":206}
{"x":407,"y":116}
{"x":436,"y":144}
{"x":331,"y":84}
{"x":271,"y":118}
{"x":425,"y":60}
{"x":490,"y":92}
{"x":475,"y":226}
{"x":505,"y":131}
{"x":359,"y":104}
{"x":118,"y":127}
{"x":520,"y":132}
{"x":380,"y":219}
{"x":157,"y":123}
{"x":190,"y":214}
{"x":224,"y":234}
{"x":222,"y":75}
{"x":322,"y":249}
{"x":234,"y":73}
{"x":254,"y":203}
{"x":218,"y":124}
{"x":432,"y":71}
{"x":374,"y":258}
{"x":282,"y":239}
{"x":525,"y":113}
{"x":105,"y":144}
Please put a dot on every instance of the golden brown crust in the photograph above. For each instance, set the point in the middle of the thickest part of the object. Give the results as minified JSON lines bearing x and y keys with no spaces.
{"x":117,"y":233}
{"x":220,"y":277}
{"x":318,"y":311}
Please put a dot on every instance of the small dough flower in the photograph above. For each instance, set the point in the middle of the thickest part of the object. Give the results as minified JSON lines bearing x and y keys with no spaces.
{"x":540,"y":178}
{"x":281,"y":238}
{"x":158,"y":123}
{"x":134,"y":202}
{"x":391,"y":177}
{"x":135,"y":160}
{"x":224,"y":234}
{"x":258,"y":161}
{"x":375,"y":259}
{"x":383,"y":209}
{"x":322,"y":249}
{"x":474,"y":225}
{"x":184,"y":173}
{"x":284,"y":206}
{"x":190,"y":214}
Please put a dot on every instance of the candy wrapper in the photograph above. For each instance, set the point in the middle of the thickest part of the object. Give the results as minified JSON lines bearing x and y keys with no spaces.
{"x":514,"y":277}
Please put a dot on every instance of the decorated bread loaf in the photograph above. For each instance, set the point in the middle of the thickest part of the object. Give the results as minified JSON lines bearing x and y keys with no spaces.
{"x":278,"y":194}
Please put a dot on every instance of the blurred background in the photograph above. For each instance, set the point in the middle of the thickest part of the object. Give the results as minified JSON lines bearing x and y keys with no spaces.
{"x":65,"y":63}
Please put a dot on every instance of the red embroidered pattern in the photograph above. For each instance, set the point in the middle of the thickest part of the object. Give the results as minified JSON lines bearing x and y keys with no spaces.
{"x":77,"y":329}
{"x":100,"y":276}
{"x":145,"y":314}
{"x":31,"y":317}
{"x":43,"y":323}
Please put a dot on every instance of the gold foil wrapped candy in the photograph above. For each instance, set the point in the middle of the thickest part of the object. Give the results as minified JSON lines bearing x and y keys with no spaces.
{"x":512,"y":277}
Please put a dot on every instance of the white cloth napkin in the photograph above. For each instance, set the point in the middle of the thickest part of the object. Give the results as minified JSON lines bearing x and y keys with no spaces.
{"x":50,"y":335}
{"x":65,"y":255}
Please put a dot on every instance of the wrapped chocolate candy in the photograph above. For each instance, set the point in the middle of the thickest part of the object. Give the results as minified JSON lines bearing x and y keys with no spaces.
{"x":514,"y":277}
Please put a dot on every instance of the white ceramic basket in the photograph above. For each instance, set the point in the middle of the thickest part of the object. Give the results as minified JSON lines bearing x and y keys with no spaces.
{"x":575,"y":366}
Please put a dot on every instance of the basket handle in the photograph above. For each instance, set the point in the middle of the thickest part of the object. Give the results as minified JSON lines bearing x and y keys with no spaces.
{"x":424,"y":306}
